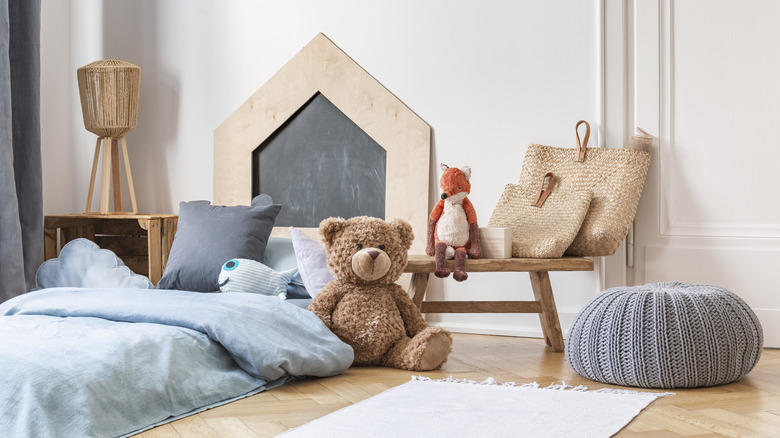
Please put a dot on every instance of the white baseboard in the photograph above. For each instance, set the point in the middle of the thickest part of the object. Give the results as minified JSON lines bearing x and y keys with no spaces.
{"x":770,"y":324}
{"x":520,"y":330}
{"x":770,"y":321}
{"x":479,"y":329}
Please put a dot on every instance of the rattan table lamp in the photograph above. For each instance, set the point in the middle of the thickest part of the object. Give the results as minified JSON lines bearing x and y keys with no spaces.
{"x":109,"y":101}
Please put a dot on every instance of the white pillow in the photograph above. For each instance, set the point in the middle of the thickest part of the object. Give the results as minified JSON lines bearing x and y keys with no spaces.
{"x":246,"y":275}
{"x":280,"y":256}
{"x":312,"y":262}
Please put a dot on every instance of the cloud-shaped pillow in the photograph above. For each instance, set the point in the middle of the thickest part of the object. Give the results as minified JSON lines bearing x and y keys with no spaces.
{"x":82,"y":263}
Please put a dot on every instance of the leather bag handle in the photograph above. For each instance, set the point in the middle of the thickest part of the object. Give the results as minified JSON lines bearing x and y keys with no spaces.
{"x":543,"y":193}
{"x":582,"y":147}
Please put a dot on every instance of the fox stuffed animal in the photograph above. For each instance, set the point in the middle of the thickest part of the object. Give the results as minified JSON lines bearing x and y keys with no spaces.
{"x":453,"y":232}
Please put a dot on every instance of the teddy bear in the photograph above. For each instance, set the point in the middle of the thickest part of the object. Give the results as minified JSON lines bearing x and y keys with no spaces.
{"x":364,"y":306}
{"x":453,"y":232}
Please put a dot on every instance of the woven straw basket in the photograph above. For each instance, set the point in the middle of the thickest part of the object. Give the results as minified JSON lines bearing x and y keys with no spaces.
{"x":614,"y":176}
{"x":544,"y":222}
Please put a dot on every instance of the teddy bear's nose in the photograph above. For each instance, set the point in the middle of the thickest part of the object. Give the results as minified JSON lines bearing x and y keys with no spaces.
{"x":443,"y":196}
{"x":373,"y":253}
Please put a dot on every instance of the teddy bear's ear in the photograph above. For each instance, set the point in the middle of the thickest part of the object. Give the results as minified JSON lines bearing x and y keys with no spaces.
{"x":330,"y":227}
{"x":405,"y":232}
{"x":466,"y":172}
{"x":443,"y":167}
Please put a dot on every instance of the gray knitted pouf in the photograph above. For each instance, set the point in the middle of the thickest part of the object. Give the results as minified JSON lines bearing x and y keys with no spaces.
{"x":665,"y":335}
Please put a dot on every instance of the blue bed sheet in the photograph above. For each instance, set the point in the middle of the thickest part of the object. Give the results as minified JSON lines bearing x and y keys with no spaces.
{"x":112,"y":362}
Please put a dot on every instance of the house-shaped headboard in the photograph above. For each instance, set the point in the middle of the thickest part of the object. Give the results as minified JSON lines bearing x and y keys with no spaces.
{"x":321,"y":69}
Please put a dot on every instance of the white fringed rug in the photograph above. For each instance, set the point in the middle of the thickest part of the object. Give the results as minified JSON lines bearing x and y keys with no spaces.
{"x":463,"y":408}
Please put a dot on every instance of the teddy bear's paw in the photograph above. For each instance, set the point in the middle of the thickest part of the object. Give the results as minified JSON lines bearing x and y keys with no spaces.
{"x":459,"y":275}
{"x":428,"y":350}
{"x":437,"y":348}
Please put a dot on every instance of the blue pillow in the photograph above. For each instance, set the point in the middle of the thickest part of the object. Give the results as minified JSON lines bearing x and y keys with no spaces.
{"x":244,"y":275}
{"x":207,"y":235}
{"x":82,"y":263}
{"x":280,"y":256}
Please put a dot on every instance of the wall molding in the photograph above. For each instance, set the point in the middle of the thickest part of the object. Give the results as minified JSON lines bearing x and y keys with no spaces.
{"x":668,"y":225}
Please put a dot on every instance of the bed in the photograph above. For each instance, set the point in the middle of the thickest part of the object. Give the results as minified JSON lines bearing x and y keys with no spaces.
{"x":123,"y":357}
{"x":113,"y":362}
{"x":96,"y":350}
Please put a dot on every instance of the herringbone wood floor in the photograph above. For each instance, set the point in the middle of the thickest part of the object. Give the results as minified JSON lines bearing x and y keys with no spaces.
{"x":749,"y":407}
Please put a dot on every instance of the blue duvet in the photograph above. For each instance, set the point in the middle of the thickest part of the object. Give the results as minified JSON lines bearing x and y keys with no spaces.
{"x":112,"y":362}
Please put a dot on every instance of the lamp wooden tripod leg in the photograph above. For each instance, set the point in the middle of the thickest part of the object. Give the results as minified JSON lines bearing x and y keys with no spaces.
{"x":111,"y":168}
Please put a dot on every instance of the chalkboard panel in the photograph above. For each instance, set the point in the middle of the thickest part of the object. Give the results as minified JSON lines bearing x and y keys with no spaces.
{"x":320,"y":164}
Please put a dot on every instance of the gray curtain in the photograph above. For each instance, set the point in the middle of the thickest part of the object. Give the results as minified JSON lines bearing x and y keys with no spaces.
{"x":21,"y":204}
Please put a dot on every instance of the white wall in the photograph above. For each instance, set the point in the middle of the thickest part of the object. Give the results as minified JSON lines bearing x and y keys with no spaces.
{"x":56,"y":108}
{"x":488,"y":76}
{"x":710,"y":96}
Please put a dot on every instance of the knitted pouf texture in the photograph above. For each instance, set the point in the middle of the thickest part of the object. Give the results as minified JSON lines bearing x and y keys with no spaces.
{"x":665,"y":335}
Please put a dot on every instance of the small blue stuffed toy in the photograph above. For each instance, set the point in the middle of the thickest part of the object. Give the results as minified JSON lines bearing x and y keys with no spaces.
{"x":245,"y":275}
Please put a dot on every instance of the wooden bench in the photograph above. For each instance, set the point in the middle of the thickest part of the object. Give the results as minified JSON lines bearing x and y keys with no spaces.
{"x":421,"y":266}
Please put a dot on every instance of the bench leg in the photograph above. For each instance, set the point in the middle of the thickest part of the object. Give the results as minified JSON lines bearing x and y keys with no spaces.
{"x":417,"y":288}
{"x":551,"y":326}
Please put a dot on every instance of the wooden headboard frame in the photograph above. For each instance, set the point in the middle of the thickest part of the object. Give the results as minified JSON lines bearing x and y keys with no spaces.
{"x":322,"y":67}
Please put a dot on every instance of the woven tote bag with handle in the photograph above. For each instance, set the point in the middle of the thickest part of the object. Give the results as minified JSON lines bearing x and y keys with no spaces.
{"x":616,"y":178}
{"x":543,"y":221}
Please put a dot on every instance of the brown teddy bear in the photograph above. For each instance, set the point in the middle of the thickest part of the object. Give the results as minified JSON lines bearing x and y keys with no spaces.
{"x":364,"y":307}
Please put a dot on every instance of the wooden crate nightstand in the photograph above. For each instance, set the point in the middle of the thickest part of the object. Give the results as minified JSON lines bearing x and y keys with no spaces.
{"x":142,"y":241}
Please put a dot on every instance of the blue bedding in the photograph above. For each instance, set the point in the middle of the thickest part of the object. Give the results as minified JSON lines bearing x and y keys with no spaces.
{"x":113,"y":362}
